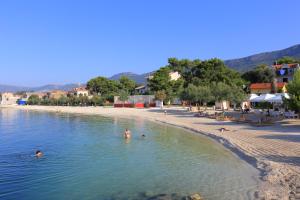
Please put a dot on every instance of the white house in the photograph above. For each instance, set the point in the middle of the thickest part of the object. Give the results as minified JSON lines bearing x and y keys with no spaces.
{"x":141,"y":89}
{"x":174,"y":76}
{"x":81,"y":91}
{"x":8,"y":98}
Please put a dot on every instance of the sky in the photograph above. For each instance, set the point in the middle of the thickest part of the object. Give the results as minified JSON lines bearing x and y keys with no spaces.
{"x":72,"y":41}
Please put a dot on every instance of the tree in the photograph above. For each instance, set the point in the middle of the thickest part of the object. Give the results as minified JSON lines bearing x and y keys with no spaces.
{"x":63,"y":100}
{"x":127,"y":84}
{"x":161,"y":96}
{"x":34,"y":100}
{"x":204,"y":95}
{"x":96,"y":100}
{"x":221,"y":92}
{"x":293,"y":89}
{"x":260,"y":74}
{"x":102,"y":86}
{"x":190,"y":94}
{"x":83,"y":100}
{"x":237,"y":96}
{"x":213,"y":70}
{"x":123,"y":96}
{"x":73,"y":100}
{"x":286,"y":60}
{"x":199,"y":95}
{"x":161,"y":81}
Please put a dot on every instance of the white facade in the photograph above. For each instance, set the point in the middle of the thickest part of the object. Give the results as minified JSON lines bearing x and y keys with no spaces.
{"x":8,"y":98}
{"x":82,"y":93}
{"x":223,"y":105}
{"x":174,"y":76}
{"x":141,"y":89}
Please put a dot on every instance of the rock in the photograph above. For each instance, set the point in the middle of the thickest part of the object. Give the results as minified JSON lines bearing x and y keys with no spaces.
{"x":195,"y":197}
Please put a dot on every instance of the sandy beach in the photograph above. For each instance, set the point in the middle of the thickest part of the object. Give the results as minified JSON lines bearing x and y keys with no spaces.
{"x":274,"y":149}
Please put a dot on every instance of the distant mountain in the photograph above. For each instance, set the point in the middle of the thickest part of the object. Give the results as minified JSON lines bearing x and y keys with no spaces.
{"x":248,"y":63}
{"x":138,"y":78}
{"x":45,"y":88}
{"x":65,"y":87}
{"x":240,"y":64}
{"x":11,"y":88}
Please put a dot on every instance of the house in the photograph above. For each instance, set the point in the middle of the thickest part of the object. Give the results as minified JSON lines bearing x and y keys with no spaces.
{"x":80,"y":91}
{"x":285,"y":72}
{"x":141,"y":89}
{"x":56,"y":94}
{"x":8,"y":98}
{"x":174,"y":76}
{"x":265,"y":88}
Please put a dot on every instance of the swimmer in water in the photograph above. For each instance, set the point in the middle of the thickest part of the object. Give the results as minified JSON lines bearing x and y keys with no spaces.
{"x":38,"y":153}
{"x":127,"y":134}
{"x":143,"y":135}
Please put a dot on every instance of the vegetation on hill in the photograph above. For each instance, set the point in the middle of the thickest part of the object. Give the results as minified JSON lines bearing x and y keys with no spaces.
{"x":260,"y":74}
{"x":268,"y":58}
{"x":287,"y":60}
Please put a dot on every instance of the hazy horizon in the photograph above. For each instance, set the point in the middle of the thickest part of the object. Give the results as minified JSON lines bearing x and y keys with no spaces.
{"x":72,"y":41}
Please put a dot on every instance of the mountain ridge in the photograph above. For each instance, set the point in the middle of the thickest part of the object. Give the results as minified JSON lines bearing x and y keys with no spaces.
{"x":44,"y":88}
{"x":240,"y":64}
{"x":249,"y":62}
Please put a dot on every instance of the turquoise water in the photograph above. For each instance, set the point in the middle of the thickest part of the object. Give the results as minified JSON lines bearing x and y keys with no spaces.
{"x":85,"y":157}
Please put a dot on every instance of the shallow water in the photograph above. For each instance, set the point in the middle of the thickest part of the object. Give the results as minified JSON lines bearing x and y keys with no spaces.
{"x":87,"y":158}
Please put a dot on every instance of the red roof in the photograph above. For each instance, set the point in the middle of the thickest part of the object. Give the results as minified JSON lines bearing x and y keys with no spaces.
{"x":79,"y":89}
{"x":292,"y":65}
{"x":266,"y":85}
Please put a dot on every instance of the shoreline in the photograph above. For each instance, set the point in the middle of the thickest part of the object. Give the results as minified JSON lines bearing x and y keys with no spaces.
{"x":280,"y":180}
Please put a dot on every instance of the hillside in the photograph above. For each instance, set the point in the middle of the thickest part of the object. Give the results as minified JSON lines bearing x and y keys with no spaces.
{"x":139,"y":78}
{"x":249,"y":62}
{"x":240,"y":64}
{"x":45,"y":88}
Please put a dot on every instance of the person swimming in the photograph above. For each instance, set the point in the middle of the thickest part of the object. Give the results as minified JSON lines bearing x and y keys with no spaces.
{"x":127,"y":134}
{"x":38,"y":153}
{"x":143,"y":135}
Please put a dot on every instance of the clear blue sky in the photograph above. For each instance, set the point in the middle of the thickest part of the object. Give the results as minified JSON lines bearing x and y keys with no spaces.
{"x":61,"y":41}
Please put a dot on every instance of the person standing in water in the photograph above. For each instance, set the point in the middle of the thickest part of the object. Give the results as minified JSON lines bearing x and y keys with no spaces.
{"x":127,"y":134}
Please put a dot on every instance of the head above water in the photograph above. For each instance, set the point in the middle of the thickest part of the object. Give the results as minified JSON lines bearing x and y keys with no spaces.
{"x":38,"y":153}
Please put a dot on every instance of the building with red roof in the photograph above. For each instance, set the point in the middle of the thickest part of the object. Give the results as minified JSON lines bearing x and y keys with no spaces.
{"x":264,"y":88}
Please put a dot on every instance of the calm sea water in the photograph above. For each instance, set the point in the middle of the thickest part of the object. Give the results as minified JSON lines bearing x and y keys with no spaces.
{"x":85,"y":157}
